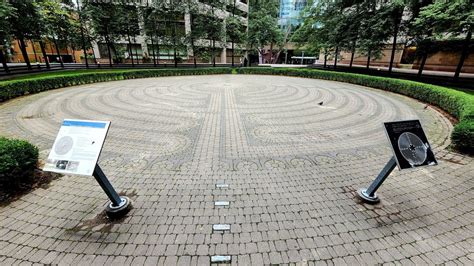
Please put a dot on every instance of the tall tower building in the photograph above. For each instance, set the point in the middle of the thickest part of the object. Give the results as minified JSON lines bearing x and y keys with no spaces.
{"x":290,"y":12}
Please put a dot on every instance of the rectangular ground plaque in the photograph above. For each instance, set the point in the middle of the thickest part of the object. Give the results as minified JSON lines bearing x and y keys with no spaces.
{"x":220,"y":259}
{"x":221,"y":203}
{"x":77,"y":147}
{"x":221,"y":227}
{"x":409,"y":144}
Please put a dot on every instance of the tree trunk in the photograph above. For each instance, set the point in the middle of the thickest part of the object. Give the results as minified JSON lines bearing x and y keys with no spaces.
{"x":115,"y":53}
{"x":214,"y":53}
{"x":271,"y":53}
{"x":325,"y":58}
{"x":422,"y":65}
{"x":335,"y":57}
{"x":136,"y":50}
{"x":194,"y":52}
{"x":394,"y":46}
{"x":157,"y":48}
{"x":465,"y":53}
{"x":175,"y":56}
{"x":368,"y":60}
{"x":4,"y":61}
{"x":93,"y":52}
{"x":58,"y":53}
{"x":73,"y":49}
{"x":130,"y":48}
{"x":107,"y":42}
{"x":352,"y":55}
{"x":233,"y":47}
{"x":24,"y":53}
{"x":153,"y":51}
{"x":43,"y":51}
{"x":82,"y":34}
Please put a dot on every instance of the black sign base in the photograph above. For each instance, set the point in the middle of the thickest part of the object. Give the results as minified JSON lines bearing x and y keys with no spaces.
{"x":118,"y":205}
{"x":362,"y":192}
{"x":114,"y":212}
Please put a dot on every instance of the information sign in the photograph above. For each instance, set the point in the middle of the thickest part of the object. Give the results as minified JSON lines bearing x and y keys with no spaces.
{"x":77,"y":147}
{"x":409,"y":143}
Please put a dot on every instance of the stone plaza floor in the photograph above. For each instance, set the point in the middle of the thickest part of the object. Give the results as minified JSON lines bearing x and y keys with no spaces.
{"x":291,"y":168}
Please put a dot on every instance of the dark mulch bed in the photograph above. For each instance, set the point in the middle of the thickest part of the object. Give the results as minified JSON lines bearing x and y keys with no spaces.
{"x":40,"y":180}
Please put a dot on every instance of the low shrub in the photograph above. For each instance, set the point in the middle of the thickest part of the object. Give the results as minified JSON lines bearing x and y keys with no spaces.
{"x":18,"y":160}
{"x":13,"y":88}
{"x":456,"y":103}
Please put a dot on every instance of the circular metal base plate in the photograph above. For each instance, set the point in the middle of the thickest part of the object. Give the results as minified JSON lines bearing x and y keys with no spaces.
{"x":365,"y":197}
{"x":114,"y":212}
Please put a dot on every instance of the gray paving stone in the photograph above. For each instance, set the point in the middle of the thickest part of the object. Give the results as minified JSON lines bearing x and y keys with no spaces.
{"x":292,"y":167}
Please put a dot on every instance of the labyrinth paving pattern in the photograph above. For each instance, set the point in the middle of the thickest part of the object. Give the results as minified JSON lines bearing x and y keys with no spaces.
{"x":287,"y":154}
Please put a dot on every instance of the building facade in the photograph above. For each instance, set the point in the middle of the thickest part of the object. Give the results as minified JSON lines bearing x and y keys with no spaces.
{"x":144,"y":51}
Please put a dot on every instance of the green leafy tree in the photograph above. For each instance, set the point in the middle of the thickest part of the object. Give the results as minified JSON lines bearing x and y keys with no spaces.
{"x":6,"y":11}
{"x":82,"y":36}
{"x":263,"y":27}
{"x":325,"y":27}
{"x":392,"y":12}
{"x":154,"y":23}
{"x":448,"y":19}
{"x":57,"y":22}
{"x":197,"y":31}
{"x":26,"y":25}
{"x":128,"y":26}
{"x":311,"y":34}
{"x":374,"y":30}
{"x":211,"y":25}
{"x":234,"y":29}
{"x":104,"y":20}
{"x":174,"y":30}
{"x":417,"y":34}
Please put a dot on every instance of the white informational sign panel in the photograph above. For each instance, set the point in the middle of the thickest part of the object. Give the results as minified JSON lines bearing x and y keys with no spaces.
{"x":77,"y":147}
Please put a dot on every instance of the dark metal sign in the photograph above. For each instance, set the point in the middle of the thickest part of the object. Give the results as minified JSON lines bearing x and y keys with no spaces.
{"x":409,"y":144}
{"x":410,"y":148}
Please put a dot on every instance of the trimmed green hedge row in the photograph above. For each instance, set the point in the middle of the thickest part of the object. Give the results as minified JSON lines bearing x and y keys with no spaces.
{"x":14,"y":88}
{"x":457,"y":103}
{"x":17,"y":163}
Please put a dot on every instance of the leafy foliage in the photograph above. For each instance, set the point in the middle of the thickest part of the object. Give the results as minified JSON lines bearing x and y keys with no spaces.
{"x":263,"y":27}
{"x":6,"y":11}
{"x":18,"y":160}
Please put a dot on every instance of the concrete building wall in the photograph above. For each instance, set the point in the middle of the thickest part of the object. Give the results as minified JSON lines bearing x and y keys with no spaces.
{"x":447,"y":61}
{"x":383,"y":60}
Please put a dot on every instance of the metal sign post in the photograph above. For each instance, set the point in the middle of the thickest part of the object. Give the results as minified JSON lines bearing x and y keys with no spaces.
{"x":119,"y":205}
{"x":410,"y":148}
{"x":368,"y":194}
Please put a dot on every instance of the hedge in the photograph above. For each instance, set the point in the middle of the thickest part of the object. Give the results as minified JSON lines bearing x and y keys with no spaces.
{"x":18,"y":160}
{"x":457,"y":103}
{"x":13,"y":88}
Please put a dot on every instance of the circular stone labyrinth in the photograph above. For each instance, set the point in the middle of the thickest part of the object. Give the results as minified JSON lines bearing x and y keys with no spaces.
{"x":292,"y":151}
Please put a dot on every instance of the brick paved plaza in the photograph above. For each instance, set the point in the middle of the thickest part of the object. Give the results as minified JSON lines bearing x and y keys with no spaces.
{"x":291,"y":169}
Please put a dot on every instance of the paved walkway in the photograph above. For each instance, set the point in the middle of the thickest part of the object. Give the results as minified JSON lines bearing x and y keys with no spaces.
{"x":291,"y":169}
